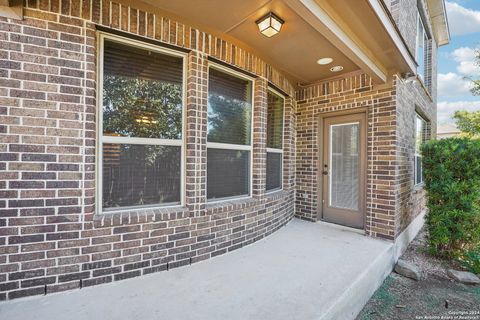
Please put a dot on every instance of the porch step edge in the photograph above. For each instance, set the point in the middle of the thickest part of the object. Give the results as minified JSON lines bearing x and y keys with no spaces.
{"x":352,"y":301}
{"x":354,"y":298}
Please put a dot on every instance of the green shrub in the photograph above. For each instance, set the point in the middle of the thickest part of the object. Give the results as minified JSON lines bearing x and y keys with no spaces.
{"x":452,"y":181}
{"x":470,"y":259}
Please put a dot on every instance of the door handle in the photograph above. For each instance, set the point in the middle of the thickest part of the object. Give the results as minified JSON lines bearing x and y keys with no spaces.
{"x":325,"y":172}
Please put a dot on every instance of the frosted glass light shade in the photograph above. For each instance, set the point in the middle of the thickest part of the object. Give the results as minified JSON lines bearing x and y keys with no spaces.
{"x":270,"y":24}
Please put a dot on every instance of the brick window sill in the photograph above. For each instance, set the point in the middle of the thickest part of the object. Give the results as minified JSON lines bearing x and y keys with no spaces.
{"x":243,"y":203}
{"x":149,"y":215}
{"x":139,"y":216}
{"x":277,"y":194}
{"x":230,"y":205}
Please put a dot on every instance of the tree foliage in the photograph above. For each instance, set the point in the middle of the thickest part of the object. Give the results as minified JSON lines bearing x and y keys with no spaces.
{"x":476,"y":82}
{"x":468,"y":122}
{"x":140,"y":108}
{"x":137,"y":107}
{"x":229,"y":120}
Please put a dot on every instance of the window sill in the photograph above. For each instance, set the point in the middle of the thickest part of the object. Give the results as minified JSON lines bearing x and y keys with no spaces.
{"x":418,"y":187}
{"x":245,"y":202}
{"x":139,"y":216}
{"x":231,"y":204}
{"x":425,"y":89}
{"x":276,"y":194}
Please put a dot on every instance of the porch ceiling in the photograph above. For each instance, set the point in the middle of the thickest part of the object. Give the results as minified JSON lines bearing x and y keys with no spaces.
{"x":371,"y":27}
{"x":304,"y":37}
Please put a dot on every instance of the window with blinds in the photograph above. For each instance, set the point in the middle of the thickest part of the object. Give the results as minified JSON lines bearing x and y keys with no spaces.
{"x":141,"y":145}
{"x":345,"y":166}
{"x":229,"y":128}
{"x":274,"y":140}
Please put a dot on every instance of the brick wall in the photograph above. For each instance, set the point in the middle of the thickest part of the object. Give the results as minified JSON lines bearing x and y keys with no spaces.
{"x":413,"y":97}
{"x":404,"y":12}
{"x":392,"y":199}
{"x":353,"y":92}
{"x":50,"y":237}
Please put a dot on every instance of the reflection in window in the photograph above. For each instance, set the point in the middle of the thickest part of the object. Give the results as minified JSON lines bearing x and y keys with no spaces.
{"x":275,"y":105}
{"x":142,"y":93}
{"x":229,"y":108}
{"x":142,"y":126}
{"x":420,"y":138}
{"x":229,"y":135}
{"x":421,"y":47}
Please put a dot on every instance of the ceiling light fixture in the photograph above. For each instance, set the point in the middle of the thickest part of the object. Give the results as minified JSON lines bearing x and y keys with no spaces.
{"x":146,"y":120}
{"x":326,"y":60}
{"x":270,"y":24}
{"x":336,"y":69}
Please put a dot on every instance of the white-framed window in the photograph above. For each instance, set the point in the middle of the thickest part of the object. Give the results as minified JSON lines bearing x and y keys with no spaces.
{"x":421,"y":47}
{"x":275,"y":124}
{"x":420,"y":138}
{"x":140,"y":144}
{"x":229,"y":134}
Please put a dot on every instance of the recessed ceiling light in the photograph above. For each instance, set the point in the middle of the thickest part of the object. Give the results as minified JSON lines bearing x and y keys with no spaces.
{"x":325,"y":61}
{"x":336,"y":68}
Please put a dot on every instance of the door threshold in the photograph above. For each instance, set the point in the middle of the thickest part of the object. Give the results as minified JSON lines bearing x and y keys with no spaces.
{"x":340,"y":227}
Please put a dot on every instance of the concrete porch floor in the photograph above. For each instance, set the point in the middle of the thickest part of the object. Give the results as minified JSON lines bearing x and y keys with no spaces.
{"x":303,"y":271}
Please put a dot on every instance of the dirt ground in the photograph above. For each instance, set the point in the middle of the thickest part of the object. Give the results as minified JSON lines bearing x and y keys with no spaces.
{"x":434,"y":297}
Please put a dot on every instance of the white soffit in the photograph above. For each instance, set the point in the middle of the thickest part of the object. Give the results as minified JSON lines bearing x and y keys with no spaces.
{"x":439,"y":18}
{"x":393,"y":33}
{"x":12,"y":9}
{"x":319,"y":19}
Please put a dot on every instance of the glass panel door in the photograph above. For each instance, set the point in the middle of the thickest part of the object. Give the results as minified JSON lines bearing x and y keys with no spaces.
{"x":344,"y":159}
{"x":343,"y":171}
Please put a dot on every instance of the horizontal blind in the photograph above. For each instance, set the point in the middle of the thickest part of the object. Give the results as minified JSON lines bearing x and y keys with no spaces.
{"x":228,"y":86}
{"x":133,"y":62}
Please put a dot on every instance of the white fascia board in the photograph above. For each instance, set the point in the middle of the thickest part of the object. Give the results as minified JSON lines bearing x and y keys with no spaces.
{"x":438,"y":15}
{"x":379,"y":10}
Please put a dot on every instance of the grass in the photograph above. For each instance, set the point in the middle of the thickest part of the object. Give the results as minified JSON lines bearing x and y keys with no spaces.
{"x":383,"y":298}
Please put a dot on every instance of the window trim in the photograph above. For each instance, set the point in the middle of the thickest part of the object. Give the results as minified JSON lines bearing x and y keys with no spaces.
{"x":416,"y":154}
{"x":275,"y":150}
{"x":100,"y":138}
{"x":229,"y":146}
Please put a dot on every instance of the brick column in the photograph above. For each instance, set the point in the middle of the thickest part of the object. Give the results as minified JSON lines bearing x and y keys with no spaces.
{"x":259,"y":138}
{"x":196,"y":133}
{"x":382,"y":200}
{"x":289,"y":133}
{"x":90,"y":122}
